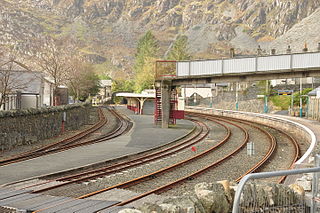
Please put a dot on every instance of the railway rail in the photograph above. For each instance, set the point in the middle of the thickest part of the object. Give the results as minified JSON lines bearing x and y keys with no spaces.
{"x":76,"y":140}
{"x":170,"y":185}
{"x":201,"y":135}
{"x":138,"y":180}
{"x":117,"y":167}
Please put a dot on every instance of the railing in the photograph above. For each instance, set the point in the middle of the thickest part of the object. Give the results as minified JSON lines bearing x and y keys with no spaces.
{"x":287,"y":204}
{"x":286,"y":62}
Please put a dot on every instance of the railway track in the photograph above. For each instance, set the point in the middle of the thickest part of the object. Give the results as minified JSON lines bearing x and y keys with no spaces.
{"x":76,"y":140}
{"x":138,"y":180}
{"x":117,"y":167}
{"x":170,"y":185}
{"x":78,"y":178}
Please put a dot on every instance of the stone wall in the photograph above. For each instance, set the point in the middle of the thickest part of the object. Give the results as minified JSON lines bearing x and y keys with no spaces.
{"x":31,"y":125}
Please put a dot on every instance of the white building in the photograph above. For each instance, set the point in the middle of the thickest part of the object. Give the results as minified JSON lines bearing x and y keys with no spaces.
{"x":27,"y":89}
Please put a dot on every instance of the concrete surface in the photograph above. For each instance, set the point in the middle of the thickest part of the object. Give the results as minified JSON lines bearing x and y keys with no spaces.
{"x":143,"y":136}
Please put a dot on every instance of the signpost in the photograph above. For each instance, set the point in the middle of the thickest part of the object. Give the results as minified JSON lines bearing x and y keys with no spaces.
{"x":285,"y":92}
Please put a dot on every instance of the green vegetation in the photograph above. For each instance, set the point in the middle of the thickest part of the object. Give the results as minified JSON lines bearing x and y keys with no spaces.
{"x":179,"y":50}
{"x":284,"y":101}
{"x":104,"y":70}
{"x":296,"y":96}
{"x":147,"y":52}
{"x":121,"y":86}
{"x":83,"y":81}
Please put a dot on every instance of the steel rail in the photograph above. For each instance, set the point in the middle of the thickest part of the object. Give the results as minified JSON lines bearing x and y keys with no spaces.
{"x":27,"y":155}
{"x":142,"y":178}
{"x":268,"y":156}
{"x":123,"y":165}
{"x":172,"y":184}
{"x":81,"y":177}
{"x":150,"y":175}
{"x":69,"y":144}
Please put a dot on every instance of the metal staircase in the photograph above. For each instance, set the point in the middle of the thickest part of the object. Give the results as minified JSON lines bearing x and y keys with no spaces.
{"x":158,"y":108}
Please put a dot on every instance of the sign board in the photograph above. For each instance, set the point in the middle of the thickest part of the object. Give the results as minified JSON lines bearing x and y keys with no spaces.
{"x":285,"y":92}
{"x":260,"y":96}
{"x":250,"y":149}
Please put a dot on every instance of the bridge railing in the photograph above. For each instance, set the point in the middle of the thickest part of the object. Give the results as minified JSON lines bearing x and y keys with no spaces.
{"x":286,"y":62}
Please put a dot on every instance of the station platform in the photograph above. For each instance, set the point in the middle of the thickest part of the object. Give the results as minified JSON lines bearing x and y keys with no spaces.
{"x":313,"y":125}
{"x":24,"y":201}
{"x":143,"y":136}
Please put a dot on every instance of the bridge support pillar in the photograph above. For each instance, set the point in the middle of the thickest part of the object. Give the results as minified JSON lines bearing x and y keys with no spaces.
{"x":165,"y":103}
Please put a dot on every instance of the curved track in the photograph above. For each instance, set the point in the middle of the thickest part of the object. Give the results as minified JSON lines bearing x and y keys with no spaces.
{"x":100,"y":172}
{"x":74,"y":141}
{"x":93,"y":174}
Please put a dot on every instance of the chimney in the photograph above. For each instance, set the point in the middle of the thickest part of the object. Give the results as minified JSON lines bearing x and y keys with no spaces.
{"x":232,"y":53}
{"x":273,"y":51}
{"x":289,"y":50}
{"x":305,"y":49}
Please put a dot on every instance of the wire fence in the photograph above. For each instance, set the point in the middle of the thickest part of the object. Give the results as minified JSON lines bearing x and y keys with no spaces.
{"x":253,"y":196}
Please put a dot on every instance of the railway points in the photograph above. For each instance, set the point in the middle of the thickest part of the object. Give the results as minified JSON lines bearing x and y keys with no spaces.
{"x":128,"y":144}
{"x":89,"y":191}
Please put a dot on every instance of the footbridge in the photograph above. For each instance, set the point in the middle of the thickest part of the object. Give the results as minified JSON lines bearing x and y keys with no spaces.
{"x":170,"y":74}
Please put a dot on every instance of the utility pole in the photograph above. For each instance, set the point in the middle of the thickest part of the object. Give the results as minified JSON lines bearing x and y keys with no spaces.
{"x":266,"y":97}
{"x":300,"y":97}
{"x":237,"y":97}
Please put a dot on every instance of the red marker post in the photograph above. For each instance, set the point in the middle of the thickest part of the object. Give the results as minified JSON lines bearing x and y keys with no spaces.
{"x":194,"y":149}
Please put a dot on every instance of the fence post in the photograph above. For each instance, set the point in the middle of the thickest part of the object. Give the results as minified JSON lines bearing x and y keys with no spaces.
{"x":315,"y":182}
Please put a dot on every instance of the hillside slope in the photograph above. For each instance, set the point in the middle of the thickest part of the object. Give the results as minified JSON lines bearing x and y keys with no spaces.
{"x":107,"y":30}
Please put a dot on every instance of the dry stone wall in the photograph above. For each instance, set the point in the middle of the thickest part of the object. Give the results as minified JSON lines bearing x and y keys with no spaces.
{"x":29,"y":126}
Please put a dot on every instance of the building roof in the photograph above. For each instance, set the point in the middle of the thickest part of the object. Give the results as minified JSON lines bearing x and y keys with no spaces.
{"x":135,"y":95}
{"x":314,"y":92}
{"x":105,"y":83}
{"x":25,"y":81}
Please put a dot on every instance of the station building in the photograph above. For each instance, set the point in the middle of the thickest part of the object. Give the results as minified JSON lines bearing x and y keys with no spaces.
{"x":140,"y":103}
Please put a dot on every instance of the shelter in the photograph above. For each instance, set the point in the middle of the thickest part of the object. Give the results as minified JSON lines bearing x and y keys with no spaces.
{"x":314,"y":104}
{"x":140,"y":103}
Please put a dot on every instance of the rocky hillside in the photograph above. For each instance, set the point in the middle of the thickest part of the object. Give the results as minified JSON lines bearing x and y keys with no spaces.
{"x":107,"y":30}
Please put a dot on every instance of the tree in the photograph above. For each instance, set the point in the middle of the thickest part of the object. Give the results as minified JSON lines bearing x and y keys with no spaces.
{"x":122,"y":86}
{"x":147,"y":52}
{"x":179,"y":49}
{"x":82,"y":80}
{"x":10,"y":81}
{"x":54,"y":60}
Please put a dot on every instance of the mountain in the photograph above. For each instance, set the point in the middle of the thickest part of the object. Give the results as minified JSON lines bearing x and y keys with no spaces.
{"x":107,"y":31}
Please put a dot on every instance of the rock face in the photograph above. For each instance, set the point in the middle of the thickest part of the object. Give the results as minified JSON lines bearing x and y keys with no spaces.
{"x":111,"y":28}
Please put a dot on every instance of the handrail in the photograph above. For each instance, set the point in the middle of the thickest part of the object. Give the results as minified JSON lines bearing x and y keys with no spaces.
{"x":236,"y":202}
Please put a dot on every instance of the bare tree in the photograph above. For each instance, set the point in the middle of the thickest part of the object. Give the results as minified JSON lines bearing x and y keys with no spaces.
{"x":11,"y":79}
{"x":53,"y":59}
{"x":81,"y":79}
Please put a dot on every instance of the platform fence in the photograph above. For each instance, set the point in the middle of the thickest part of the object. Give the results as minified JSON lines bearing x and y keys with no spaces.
{"x":250,"y":198}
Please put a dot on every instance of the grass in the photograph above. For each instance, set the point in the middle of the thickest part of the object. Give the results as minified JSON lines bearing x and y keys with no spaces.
{"x":281,"y":101}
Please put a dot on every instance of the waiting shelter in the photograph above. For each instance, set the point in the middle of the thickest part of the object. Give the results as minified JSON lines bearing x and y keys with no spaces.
{"x":140,"y":103}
